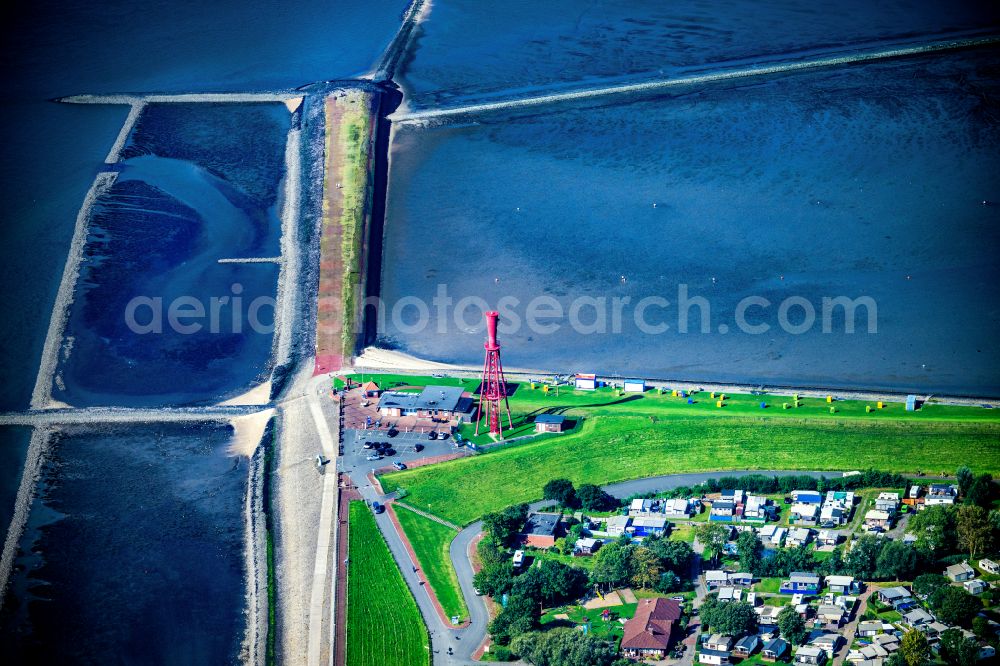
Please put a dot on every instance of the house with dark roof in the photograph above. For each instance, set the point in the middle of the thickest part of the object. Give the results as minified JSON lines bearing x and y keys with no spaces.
{"x":650,"y":631}
{"x":746,"y":646}
{"x":539,"y":530}
{"x":774,"y":650}
{"x":550,"y":423}
{"x":445,"y":402}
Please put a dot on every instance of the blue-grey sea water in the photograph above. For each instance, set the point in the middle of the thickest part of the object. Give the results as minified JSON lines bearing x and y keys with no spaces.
{"x":133,"y":553}
{"x":876,"y":180}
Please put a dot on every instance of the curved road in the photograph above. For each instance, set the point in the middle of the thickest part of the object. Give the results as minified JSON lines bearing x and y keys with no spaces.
{"x":464,"y":642}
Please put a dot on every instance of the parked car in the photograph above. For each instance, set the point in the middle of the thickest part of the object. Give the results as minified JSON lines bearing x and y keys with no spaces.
{"x":443,"y":435}
{"x":432,"y":434}
{"x":392,"y":432}
{"x":377,"y":508}
{"x":399,"y":465}
{"x":374,"y":456}
{"x":367,"y":445}
{"x":389,"y":452}
{"x":418,"y":447}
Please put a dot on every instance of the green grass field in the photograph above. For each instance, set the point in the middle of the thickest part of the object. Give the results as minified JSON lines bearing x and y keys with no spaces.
{"x":383,"y":623}
{"x":616,"y":448}
{"x":430,"y":541}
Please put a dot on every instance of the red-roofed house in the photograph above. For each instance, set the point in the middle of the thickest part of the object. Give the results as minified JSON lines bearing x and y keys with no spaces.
{"x":649,"y":632}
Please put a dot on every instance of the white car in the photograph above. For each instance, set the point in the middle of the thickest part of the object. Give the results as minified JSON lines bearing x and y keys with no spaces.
{"x":374,"y":456}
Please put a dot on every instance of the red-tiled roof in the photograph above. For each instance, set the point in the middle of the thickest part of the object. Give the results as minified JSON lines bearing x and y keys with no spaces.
{"x":651,"y":625}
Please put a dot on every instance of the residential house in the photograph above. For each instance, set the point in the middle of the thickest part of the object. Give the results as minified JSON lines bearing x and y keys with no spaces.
{"x":807,"y":497}
{"x":836,"y":508}
{"x":975,"y":586}
{"x":740,"y":579}
{"x":866,"y":629}
{"x":916,"y":617}
{"x":804,"y":610}
{"x":643,"y":507}
{"x":643,"y":526}
{"x":898,"y":597}
{"x":810,"y":654}
{"x":797,"y":536}
{"x":827,"y":643}
{"x":727,"y":594}
{"x":676,"y":508}
{"x":941,"y":493}
{"x":755,"y":508}
{"x":934,"y":629}
{"x":772,"y":535}
{"x":960,"y":572}
{"x":719,"y":642}
{"x":540,"y":529}
{"x":713,"y":657}
{"x":831,"y":614}
{"x":888,"y":502}
{"x":876,"y":518}
{"x":832,"y":516}
{"x":616,"y":525}
{"x":840,"y":584}
{"x":648,"y":634}
{"x":767,"y":616}
{"x":801,"y":583}
{"x":774,"y":650}
{"x":722,"y":509}
{"x":746,"y":646}
{"x":587,"y":546}
{"x":734,"y":495}
{"x":827,"y":538}
{"x":716,"y":578}
{"x":889,"y":595}
{"x":802,"y":512}
{"x":989,"y":566}
{"x":888,"y":642}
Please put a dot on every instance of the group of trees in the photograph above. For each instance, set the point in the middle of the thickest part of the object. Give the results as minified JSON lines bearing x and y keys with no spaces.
{"x":942,"y":530}
{"x":658,"y":564}
{"x":974,"y":490}
{"x":729,"y":618}
{"x":566,"y":647}
{"x":587,"y":496}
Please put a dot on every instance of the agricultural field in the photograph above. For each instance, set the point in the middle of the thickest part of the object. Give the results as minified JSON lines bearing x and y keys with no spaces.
{"x":608,"y":448}
{"x":430,"y":541}
{"x":383,"y":623}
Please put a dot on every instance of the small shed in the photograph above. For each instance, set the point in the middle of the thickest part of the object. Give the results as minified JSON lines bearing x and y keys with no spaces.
{"x":911,"y":403}
{"x":586,"y":382}
{"x":635,"y":385}
{"x":549,"y":423}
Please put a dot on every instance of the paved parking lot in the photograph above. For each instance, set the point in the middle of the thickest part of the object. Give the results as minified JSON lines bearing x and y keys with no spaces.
{"x":355,"y":456}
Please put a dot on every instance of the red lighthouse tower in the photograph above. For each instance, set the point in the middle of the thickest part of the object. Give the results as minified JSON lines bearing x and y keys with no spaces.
{"x":494,"y":387}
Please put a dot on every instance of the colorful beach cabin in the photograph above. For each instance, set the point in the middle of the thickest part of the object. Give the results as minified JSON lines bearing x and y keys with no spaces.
{"x":800,"y":582}
{"x":585,"y":382}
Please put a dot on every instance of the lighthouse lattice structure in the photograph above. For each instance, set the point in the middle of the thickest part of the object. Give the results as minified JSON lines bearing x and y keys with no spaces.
{"x":493,"y":390}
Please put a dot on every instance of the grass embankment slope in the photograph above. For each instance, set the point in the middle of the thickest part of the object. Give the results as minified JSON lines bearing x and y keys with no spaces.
{"x":383,"y":623}
{"x":431,"y":542}
{"x":635,"y":436}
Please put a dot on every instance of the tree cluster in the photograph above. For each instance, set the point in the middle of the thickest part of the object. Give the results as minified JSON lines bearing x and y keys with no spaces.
{"x":565,"y":647}
{"x":658,"y":564}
